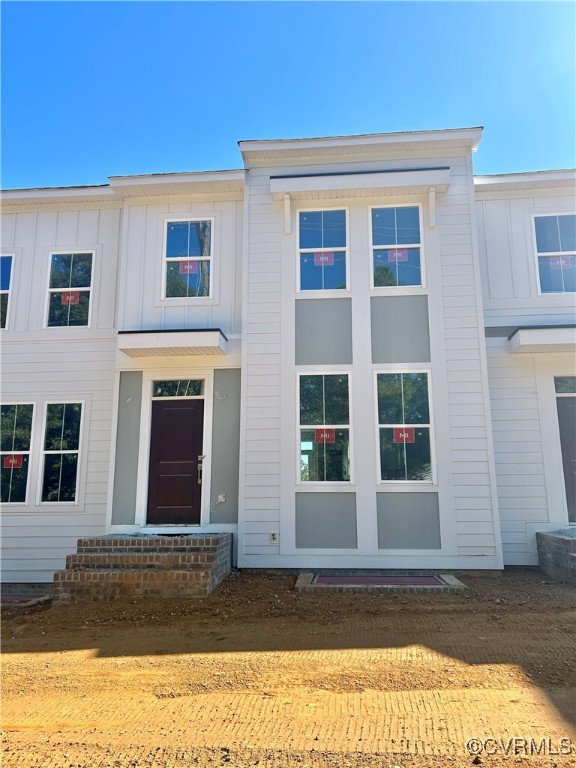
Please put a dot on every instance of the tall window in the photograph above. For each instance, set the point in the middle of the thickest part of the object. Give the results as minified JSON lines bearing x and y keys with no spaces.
{"x":69,"y":288}
{"x":322,"y":247}
{"x":15,"y":437}
{"x":404,"y":427}
{"x":396,"y":246}
{"x":556,"y":252}
{"x":61,"y":452}
{"x":324,"y":428}
{"x":189,"y":247}
{"x":5,"y":277}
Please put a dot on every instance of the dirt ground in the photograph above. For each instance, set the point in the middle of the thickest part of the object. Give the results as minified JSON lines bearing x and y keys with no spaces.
{"x":259,"y":675}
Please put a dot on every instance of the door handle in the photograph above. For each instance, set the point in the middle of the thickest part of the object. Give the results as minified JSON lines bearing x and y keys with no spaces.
{"x":200,"y":468}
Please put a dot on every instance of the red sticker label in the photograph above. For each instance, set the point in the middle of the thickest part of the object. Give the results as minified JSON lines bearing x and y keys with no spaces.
{"x":398,"y":254}
{"x":70,"y":297}
{"x":324,"y":259}
{"x":325,"y":436}
{"x":404,"y":435}
{"x":559,"y":262}
{"x":188,"y":267}
{"x":14,"y":461}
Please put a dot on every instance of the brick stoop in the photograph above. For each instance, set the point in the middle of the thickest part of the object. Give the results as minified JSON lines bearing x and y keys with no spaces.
{"x":136,"y":567}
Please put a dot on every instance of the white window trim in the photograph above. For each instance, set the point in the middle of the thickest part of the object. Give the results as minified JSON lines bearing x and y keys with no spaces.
{"x":44,"y":453}
{"x":64,"y":252}
{"x":329,"y":292}
{"x":547,"y":254}
{"x":30,"y":452}
{"x":148,"y":379}
{"x":396,"y":484}
{"x":9,"y":291}
{"x":188,"y":300}
{"x":383,"y":290}
{"x":325,"y":484}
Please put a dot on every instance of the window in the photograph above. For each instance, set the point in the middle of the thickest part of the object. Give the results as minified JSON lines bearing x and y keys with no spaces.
{"x":404,"y":427}
{"x":322,"y":247}
{"x":324,"y":428}
{"x":5,"y":277}
{"x":565,"y":385}
{"x":15,"y":438}
{"x":189,"y":247}
{"x":396,"y":246}
{"x":178,"y":388}
{"x":61,"y":452}
{"x":556,"y":252}
{"x":69,"y":289}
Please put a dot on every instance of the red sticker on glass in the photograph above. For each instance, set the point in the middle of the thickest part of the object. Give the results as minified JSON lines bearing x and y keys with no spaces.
{"x":324,"y":259}
{"x":325,"y":436}
{"x":14,"y":461}
{"x":398,"y":254}
{"x":70,"y":297}
{"x":404,"y":435}
{"x":188,"y":267}
{"x":559,"y":262}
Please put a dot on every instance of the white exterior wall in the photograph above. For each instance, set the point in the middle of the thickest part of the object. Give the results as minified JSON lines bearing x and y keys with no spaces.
{"x":59,"y":364}
{"x":463,"y":454}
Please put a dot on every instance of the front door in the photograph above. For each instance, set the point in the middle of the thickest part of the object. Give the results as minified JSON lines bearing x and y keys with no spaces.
{"x":567,"y":421}
{"x":175,"y":475}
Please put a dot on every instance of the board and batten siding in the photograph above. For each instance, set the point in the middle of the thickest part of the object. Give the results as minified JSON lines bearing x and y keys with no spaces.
{"x":56,"y":365}
{"x":508,"y":260}
{"x":140,"y":306}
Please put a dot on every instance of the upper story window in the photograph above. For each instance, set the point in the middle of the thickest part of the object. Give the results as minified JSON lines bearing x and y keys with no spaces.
{"x":69,"y":289}
{"x":5,"y":278}
{"x":189,"y":249}
{"x":61,"y":452}
{"x":404,"y":427}
{"x":396,"y":246}
{"x":324,"y":428}
{"x":15,"y":439}
{"x":556,"y":252}
{"x":323,"y":247}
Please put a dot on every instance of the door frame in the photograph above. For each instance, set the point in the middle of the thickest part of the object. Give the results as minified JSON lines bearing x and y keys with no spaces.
{"x":148,"y":377}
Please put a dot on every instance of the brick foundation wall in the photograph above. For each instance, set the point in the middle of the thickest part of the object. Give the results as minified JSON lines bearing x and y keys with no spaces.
{"x":557,"y":556}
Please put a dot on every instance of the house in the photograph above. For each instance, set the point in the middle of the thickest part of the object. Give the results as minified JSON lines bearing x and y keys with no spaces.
{"x":352,"y":353}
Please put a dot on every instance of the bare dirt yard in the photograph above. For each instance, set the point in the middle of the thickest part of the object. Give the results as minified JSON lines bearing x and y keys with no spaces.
{"x":259,"y":675}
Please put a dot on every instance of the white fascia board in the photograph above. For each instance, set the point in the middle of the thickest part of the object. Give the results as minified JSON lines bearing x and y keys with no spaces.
{"x":102,"y":193}
{"x":171,"y":183}
{"x":565,"y":178}
{"x":172,"y":344}
{"x":534,"y":340}
{"x":299,"y":187}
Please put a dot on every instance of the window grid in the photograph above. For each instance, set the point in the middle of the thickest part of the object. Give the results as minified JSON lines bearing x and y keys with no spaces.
{"x":70,"y":294}
{"x":6,"y":264}
{"x":556,"y":266}
{"x":399,"y":270}
{"x":188,"y":275}
{"x":323,"y":255}
{"x":53,"y":493}
{"x":15,"y":459}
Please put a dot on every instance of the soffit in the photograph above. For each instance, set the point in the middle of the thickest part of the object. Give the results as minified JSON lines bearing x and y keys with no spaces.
{"x":534,"y":340}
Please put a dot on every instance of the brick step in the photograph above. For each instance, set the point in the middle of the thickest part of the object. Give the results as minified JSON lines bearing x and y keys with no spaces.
{"x":150,"y":544}
{"x":182,"y":561}
{"x":107,"y":585}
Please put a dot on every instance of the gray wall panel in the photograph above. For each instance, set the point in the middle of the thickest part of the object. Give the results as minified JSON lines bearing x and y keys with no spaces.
{"x":408,"y":521}
{"x":400,"y":331}
{"x":323,"y":331}
{"x":127,"y":448}
{"x":326,"y":521}
{"x":225,"y":446}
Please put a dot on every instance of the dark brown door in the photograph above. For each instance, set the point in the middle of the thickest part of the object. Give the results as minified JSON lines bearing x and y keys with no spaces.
{"x":567,"y":421}
{"x":174,"y":489}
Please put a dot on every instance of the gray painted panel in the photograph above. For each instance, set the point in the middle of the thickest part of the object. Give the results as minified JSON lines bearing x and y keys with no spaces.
{"x":127,"y":448}
{"x":408,"y":521}
{"x":225,"y":446}
{"x":323,"y":331}
{"x":400,"y":332}
{"x":326,"y":521}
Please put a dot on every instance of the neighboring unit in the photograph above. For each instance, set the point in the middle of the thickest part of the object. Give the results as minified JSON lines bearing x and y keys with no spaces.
{"x":350,"y":354}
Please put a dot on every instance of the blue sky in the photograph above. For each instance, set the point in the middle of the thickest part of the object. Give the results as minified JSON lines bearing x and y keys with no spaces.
{"x":98,"y":89}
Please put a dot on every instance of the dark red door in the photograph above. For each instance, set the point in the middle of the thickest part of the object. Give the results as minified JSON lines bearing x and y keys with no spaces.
{"x":174,"y":484}
{"x":567,"y":421}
